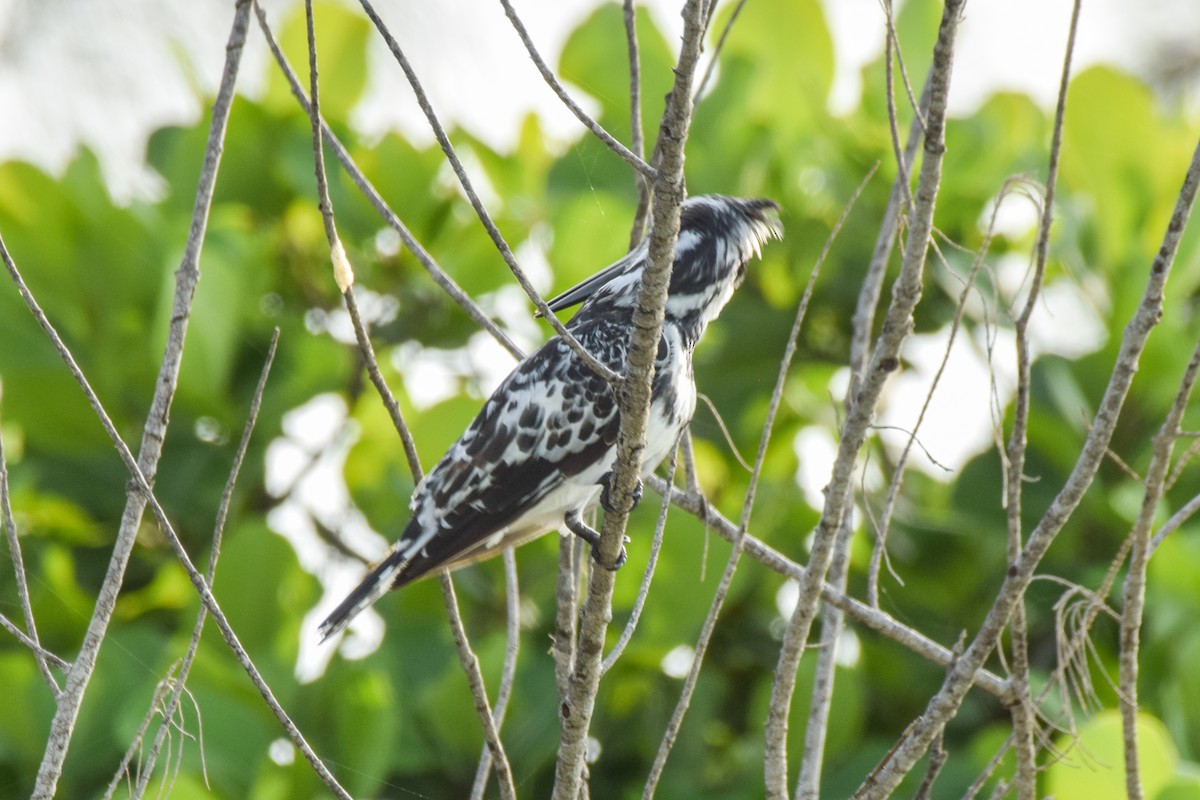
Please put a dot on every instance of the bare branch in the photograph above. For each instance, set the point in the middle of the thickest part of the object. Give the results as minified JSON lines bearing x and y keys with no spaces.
{"x":710,"y":621}
{"x":345,"y":281}
{"x":897,"y":325}
{"x":883,"y":624}
{"x":141,"y":486}
{"x":947,"y":701}
{"x":185,"y":668}
{"x":1025,"y":779}
{"x":637,"y":142}
{"x":512,"y":597}
{"x":14,"y":548}
{"x":634,"y":400}
{"x":470,"y":665}
{"x":635,"y":613}
{"x":1135,"y":579}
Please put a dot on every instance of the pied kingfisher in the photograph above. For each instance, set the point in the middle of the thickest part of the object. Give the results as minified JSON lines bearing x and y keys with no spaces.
{"x":539,"y":453}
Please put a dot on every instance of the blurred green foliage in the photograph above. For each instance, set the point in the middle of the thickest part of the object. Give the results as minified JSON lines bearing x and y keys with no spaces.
{"x":399,"y":723}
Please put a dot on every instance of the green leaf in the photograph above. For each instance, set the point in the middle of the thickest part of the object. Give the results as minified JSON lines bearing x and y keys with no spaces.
{"x":1094,"y":768}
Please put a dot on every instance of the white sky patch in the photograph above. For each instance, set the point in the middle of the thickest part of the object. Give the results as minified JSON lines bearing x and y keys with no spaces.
{"x":320,"y":493}
{"x":678,"y":661}
{"x":815,"y":452}
{"x":429,"y":373}
{"x":958,"y":422}
{"x":786,"y":597}
{"x":1017,"y":216}
{"x":282,"y":752}
{"x":848,"y":649}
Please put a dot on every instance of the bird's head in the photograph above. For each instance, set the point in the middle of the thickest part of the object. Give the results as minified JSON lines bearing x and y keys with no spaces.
{"x":717,"y":237}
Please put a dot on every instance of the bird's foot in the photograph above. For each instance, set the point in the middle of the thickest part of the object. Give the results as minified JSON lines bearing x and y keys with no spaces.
{"x":606,"y":492}
{"x":577,"y":526}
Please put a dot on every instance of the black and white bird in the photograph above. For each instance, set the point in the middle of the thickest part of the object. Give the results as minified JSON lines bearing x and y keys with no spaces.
{"x":539,"y":454}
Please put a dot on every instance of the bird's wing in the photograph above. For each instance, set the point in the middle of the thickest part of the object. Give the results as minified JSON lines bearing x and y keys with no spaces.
{"x":550,"y":420}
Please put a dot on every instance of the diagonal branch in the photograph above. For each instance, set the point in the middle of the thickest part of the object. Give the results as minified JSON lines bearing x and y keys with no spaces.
{"x":634,"y":394}
{"x":141,"y":487}
{"x":888,"y":774}
{"x":185,"y":668}
{"x":896,"y":328}
{"x":878,"y":621}
{"x":188,"y":275}
{"x":344,"y":276}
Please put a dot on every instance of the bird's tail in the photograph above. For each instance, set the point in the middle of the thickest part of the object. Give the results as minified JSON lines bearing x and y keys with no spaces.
{"x":378,"y":582}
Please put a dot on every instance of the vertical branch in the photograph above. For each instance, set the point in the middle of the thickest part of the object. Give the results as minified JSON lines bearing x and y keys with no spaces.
{"x":566,"y":617}
{"x":637,"y":141}
{"x":634,"y":399}
{"x":1023,"y":723}
{"x":896,"y":327}
{"x":808,"y":786}
{"x":186,"y":277}
{"x":1135,"y":579}
{"x":512,"y":644}
{"x":868,"y":300}
{"x":942,"y":706}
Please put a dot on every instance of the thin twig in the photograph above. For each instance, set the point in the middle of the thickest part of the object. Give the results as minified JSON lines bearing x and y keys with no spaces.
{"x":508,"y":674}
{"x":808,"y":785}
{"x":878,"y":621}
{"x":14,"y":549}
{"x":39,"y":651}
{"x":637,"y":137}
{"x":189,"y":658}
{"x":186,"y":278}
{"x":345,"y":280}
{"x":644,"y":589}
{"x":896,"y":327}
{"x":141,"y":486}
{"x":630,"y":157}
{"x":1025,"y":779}
{"x":893,"y":493}
{"x":470,"y":665}
{"x":712,"y":60}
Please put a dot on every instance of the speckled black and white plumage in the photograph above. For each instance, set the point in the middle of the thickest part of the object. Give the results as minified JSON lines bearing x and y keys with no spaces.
{"x":546,"y":438}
